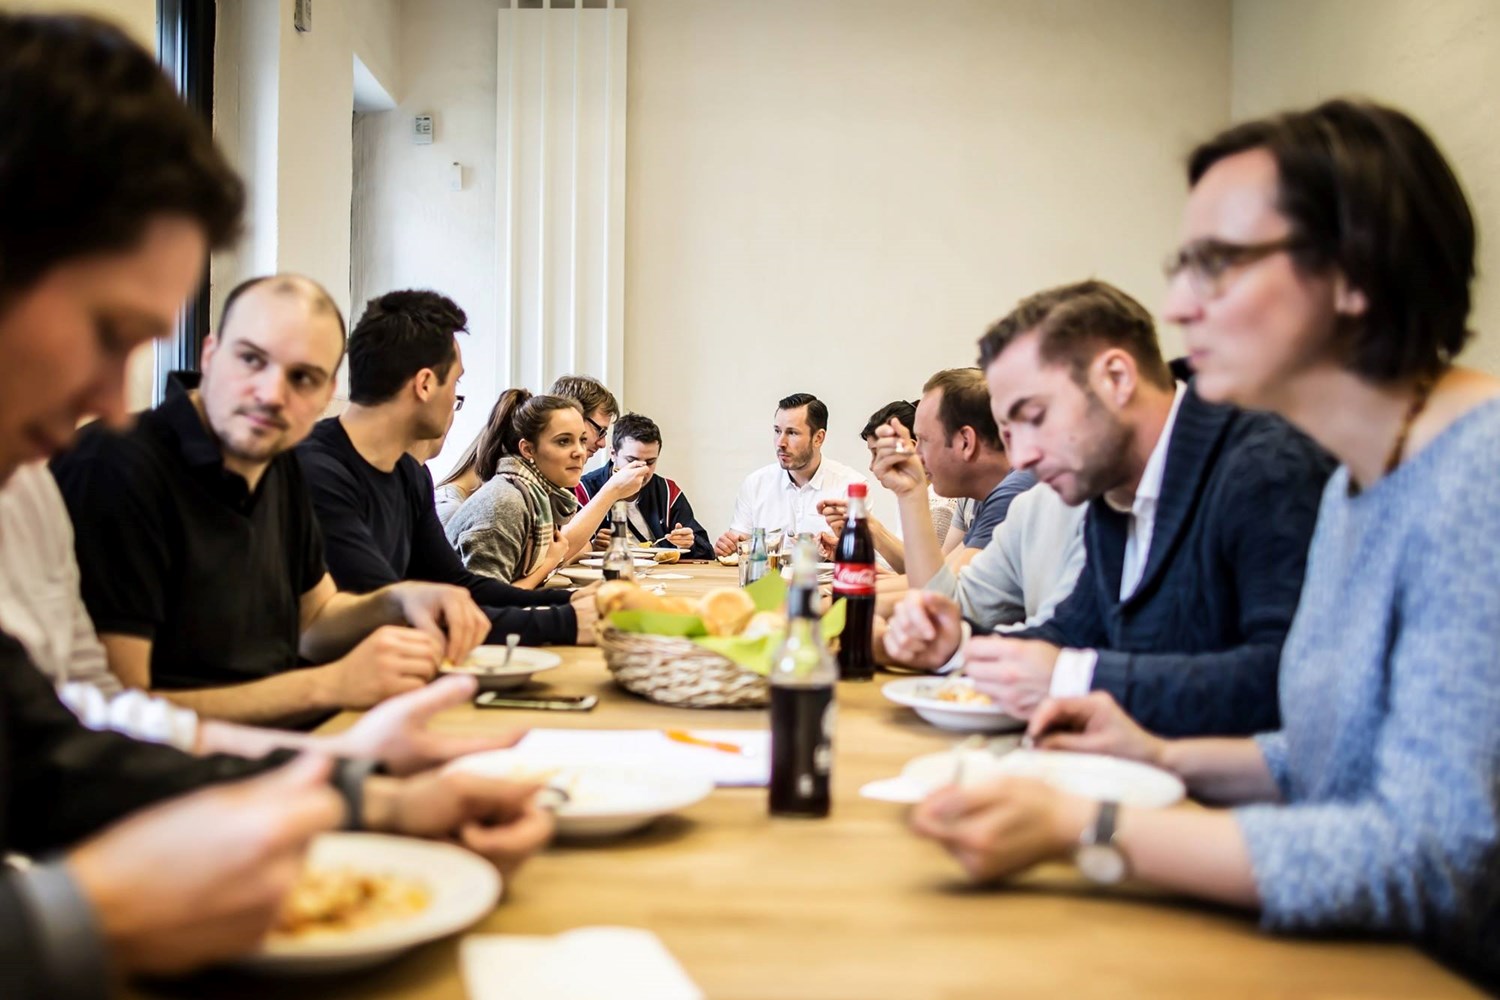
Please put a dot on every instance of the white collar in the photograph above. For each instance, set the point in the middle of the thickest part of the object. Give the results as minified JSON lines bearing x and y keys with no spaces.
{"x":816,"y":482}
{"x":1149,"y":489}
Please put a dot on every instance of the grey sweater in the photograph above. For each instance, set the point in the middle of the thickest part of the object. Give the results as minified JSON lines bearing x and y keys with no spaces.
{"x":1028,"y":568}
{"x":1388,"y":758}
{"x":492,"y":530}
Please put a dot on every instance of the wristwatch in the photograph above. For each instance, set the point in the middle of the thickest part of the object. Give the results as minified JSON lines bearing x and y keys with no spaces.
{"x":1097,"y":855}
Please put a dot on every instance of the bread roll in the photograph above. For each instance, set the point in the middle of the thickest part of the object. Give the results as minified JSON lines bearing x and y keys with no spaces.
{"x":764,"y":623}
{"x":668,"y":555}
{"x":612,"y":595}
{"x":725,"y":610}
{"x":626,"y":595}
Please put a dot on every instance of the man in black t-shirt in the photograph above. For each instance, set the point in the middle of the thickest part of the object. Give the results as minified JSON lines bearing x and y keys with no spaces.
{"x":201,"y":557}
{"x":375,"y":502}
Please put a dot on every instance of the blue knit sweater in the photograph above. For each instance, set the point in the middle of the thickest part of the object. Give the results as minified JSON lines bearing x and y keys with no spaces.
{"x":1194,"y":649}
{"x":1389,"y":752}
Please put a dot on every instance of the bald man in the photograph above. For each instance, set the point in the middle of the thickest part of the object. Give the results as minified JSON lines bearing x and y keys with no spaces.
{"x":200,"y":552}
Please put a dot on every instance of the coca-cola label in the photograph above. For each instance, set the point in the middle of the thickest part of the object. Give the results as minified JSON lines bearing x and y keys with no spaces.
{"x":854,"y":579}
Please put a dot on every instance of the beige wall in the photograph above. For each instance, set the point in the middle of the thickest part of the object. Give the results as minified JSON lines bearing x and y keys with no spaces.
{"x":834,"y":197}
{"x":1438,"y":61}
{"x":838,"y":197}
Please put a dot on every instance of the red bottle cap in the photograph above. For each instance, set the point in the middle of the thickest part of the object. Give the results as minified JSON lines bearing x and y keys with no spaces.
{"x":858,"y":490}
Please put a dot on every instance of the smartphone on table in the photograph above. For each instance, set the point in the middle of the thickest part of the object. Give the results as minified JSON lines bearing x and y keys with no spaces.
{"x":536,"y":702}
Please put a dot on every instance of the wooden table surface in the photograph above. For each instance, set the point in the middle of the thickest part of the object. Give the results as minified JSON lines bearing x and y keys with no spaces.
{"x":854,"y":907}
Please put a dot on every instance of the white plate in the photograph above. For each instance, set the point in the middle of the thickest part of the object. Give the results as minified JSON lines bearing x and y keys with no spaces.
{"x":462,"y":886}
{"x":485,"y":661}
{"x":579,"y":574}
{"x":597,"y":562}
{"x":1088,"y":775}
{"x":604,"y":800}
{"x":962,"y":717}
{"x":642,"y":552}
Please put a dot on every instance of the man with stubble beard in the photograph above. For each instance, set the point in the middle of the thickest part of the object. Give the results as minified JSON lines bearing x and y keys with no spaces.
{"x":783,"y":496}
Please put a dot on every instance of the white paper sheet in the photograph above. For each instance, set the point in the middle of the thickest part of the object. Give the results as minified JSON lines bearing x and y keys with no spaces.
{"x":590,"y":963}
{"x":651,"y":749}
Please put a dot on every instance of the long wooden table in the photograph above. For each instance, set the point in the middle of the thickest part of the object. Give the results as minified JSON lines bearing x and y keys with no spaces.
{"x":854,"y":907}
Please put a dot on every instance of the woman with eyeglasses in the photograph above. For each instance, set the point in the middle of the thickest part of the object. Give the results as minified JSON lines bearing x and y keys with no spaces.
{"x":1325,"y":275}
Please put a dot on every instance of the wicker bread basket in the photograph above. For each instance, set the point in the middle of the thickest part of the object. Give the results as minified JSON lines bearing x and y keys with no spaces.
{"x":675,"y":671}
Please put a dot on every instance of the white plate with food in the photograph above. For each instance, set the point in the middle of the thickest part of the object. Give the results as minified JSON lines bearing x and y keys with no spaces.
{"x":660,"y":554}
{"x":487,"y":663}
{"x":951,"y":703}
{"x":364,"y":898}
{"x":594,"y":799}
{"x":1089,"y":775}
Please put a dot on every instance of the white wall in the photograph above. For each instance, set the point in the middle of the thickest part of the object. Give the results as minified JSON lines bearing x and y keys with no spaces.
{"x":834,"y":197}
{"x":1438,"y":61}
{"x":418,"y":232}
{"x":839,"y":197}
{"x":284,"y":104}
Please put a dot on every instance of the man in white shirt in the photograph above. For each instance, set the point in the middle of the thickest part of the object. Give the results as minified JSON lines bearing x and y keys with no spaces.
{"x":784,"y":495}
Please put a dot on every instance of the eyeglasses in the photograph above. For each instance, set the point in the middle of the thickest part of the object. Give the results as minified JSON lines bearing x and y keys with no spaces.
{"x":1208,"y":262}
{"x":599,"y":432}
{"x":458,"y":403}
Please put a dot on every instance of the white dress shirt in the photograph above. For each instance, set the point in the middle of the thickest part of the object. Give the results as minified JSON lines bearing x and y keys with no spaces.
{"x":1073,"y":674}
{"x":769,"y":498}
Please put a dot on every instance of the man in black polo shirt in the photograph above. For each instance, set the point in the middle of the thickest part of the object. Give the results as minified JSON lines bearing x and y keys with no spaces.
{"x":375,"y":502}
{"x":201,"y":557}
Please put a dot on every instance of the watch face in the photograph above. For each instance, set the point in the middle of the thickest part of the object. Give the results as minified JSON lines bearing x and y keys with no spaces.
{"x":1100,"y":863}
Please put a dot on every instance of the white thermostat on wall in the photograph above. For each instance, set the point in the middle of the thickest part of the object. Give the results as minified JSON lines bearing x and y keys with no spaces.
{"x":421,"y":130}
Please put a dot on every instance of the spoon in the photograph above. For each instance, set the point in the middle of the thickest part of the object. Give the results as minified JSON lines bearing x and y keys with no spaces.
{"x":510,"y":648}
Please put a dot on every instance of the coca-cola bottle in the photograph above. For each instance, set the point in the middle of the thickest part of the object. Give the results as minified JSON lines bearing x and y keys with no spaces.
{"x":854,"y":581}
{"x":802,"y":705}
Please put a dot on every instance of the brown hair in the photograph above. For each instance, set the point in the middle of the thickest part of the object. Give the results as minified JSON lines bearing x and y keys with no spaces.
{"x":518,"y":416}
{"x":589,"y":393}
{"x":1367,"y":191}
{"x":1078,"y":321}
{"x":94,"y":144}
{"x":965,"y":403}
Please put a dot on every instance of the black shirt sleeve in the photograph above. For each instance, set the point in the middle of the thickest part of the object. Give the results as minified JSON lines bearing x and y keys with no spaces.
{"x":64,"y":781}
{"x":354,"y":555}
{"x":682,"y":513}
{"x":307,"y":549}
{"x":122,"y":525}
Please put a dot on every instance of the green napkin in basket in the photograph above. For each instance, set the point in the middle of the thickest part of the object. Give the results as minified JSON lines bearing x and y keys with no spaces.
{"x":768,"y":594}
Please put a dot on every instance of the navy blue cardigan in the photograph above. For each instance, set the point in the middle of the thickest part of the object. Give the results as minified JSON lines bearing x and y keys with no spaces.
{"x":1194,"y":650}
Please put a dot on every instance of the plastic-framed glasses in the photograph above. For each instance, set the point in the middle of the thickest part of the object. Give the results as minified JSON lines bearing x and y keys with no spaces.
{"x":458,"y":403}
{"x":599,"y":432}
{"x":1208,"y":262}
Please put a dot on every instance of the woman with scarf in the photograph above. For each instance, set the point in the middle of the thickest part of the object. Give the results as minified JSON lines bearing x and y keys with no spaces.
{"x":511,"y":527}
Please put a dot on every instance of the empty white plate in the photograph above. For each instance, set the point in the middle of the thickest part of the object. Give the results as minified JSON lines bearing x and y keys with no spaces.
{"x":600,"y":799}
{"x":920,"y":693}
{"x":461,"y":886}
